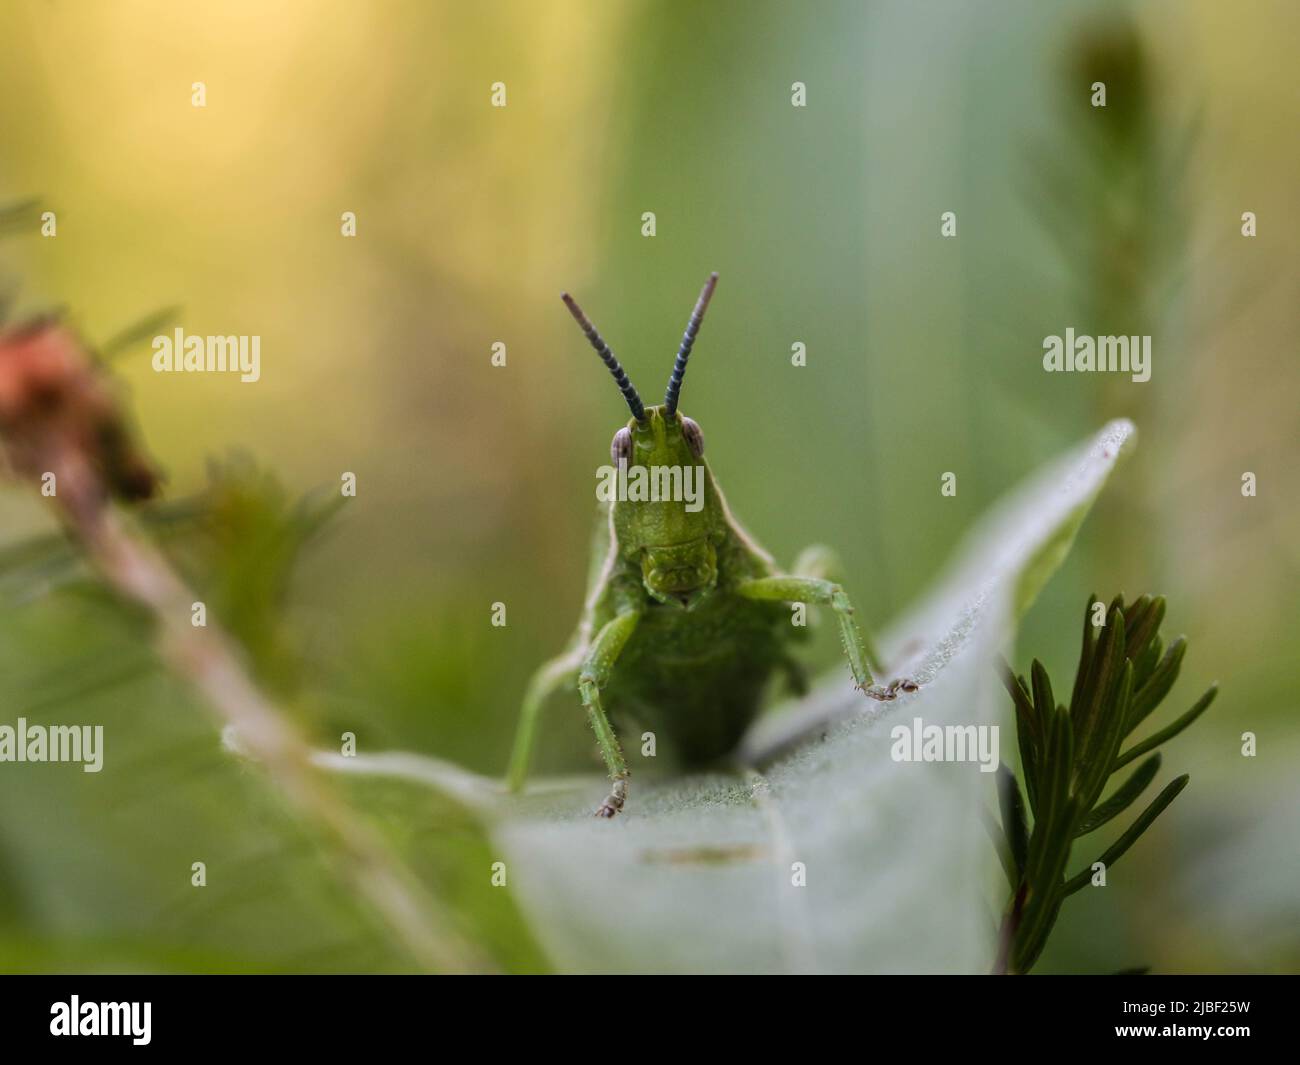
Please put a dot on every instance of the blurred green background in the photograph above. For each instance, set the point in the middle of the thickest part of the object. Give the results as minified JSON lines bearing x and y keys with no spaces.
{"x":475,"y":482}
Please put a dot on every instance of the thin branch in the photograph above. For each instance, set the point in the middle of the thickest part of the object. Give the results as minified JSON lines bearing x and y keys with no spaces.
{"x":207,"y":659}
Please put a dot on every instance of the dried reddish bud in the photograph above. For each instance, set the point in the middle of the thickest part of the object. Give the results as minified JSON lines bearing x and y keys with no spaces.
{"x":58,"y":415}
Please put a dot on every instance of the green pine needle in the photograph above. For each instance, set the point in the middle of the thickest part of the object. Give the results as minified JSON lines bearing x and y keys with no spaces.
{"x":1068,"y":755}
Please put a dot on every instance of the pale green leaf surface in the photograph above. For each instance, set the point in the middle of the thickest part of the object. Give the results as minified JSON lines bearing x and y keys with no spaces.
{"x":697,"y":875}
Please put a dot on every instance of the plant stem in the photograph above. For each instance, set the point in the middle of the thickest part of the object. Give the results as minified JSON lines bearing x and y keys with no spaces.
{"x":207,"y":659}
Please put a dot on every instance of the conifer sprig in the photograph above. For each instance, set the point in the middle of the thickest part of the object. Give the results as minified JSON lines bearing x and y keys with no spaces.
{"x":1069,"y":754}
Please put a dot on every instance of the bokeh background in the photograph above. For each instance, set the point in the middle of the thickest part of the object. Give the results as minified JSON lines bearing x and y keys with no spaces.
{"x":475,"y":481}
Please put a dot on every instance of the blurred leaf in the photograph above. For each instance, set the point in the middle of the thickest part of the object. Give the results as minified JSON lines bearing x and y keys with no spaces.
{"x":18,"y":217}
{"x":137,"y":333}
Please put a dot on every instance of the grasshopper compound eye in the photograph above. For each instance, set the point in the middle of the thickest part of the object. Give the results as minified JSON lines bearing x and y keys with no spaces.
{"x":620,"y":448}
{"x":694,"y":436}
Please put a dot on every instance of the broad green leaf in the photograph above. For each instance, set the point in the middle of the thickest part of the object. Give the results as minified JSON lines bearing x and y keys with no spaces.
{"x":701,"y":873}
{"x":833,"y":856}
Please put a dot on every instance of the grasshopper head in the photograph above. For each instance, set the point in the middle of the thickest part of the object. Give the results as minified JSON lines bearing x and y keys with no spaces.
{"x":674,"y":531}
{"x":670,"y":521}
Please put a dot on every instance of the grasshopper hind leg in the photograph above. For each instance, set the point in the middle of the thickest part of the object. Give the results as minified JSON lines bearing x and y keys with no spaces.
{"x":560,"y":672}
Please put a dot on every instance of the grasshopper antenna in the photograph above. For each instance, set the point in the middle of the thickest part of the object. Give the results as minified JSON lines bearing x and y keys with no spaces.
{"x":602,"y":349}
{"x":688,"y":340}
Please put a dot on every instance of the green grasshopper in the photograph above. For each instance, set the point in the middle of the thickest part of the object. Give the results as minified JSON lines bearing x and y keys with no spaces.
{"x":686,"y":616}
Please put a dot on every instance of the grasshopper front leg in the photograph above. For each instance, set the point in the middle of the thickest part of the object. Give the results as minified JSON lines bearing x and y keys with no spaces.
{"x":595,"y":673}
{"x":827,"y":593}
{"x":823,"y":563}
